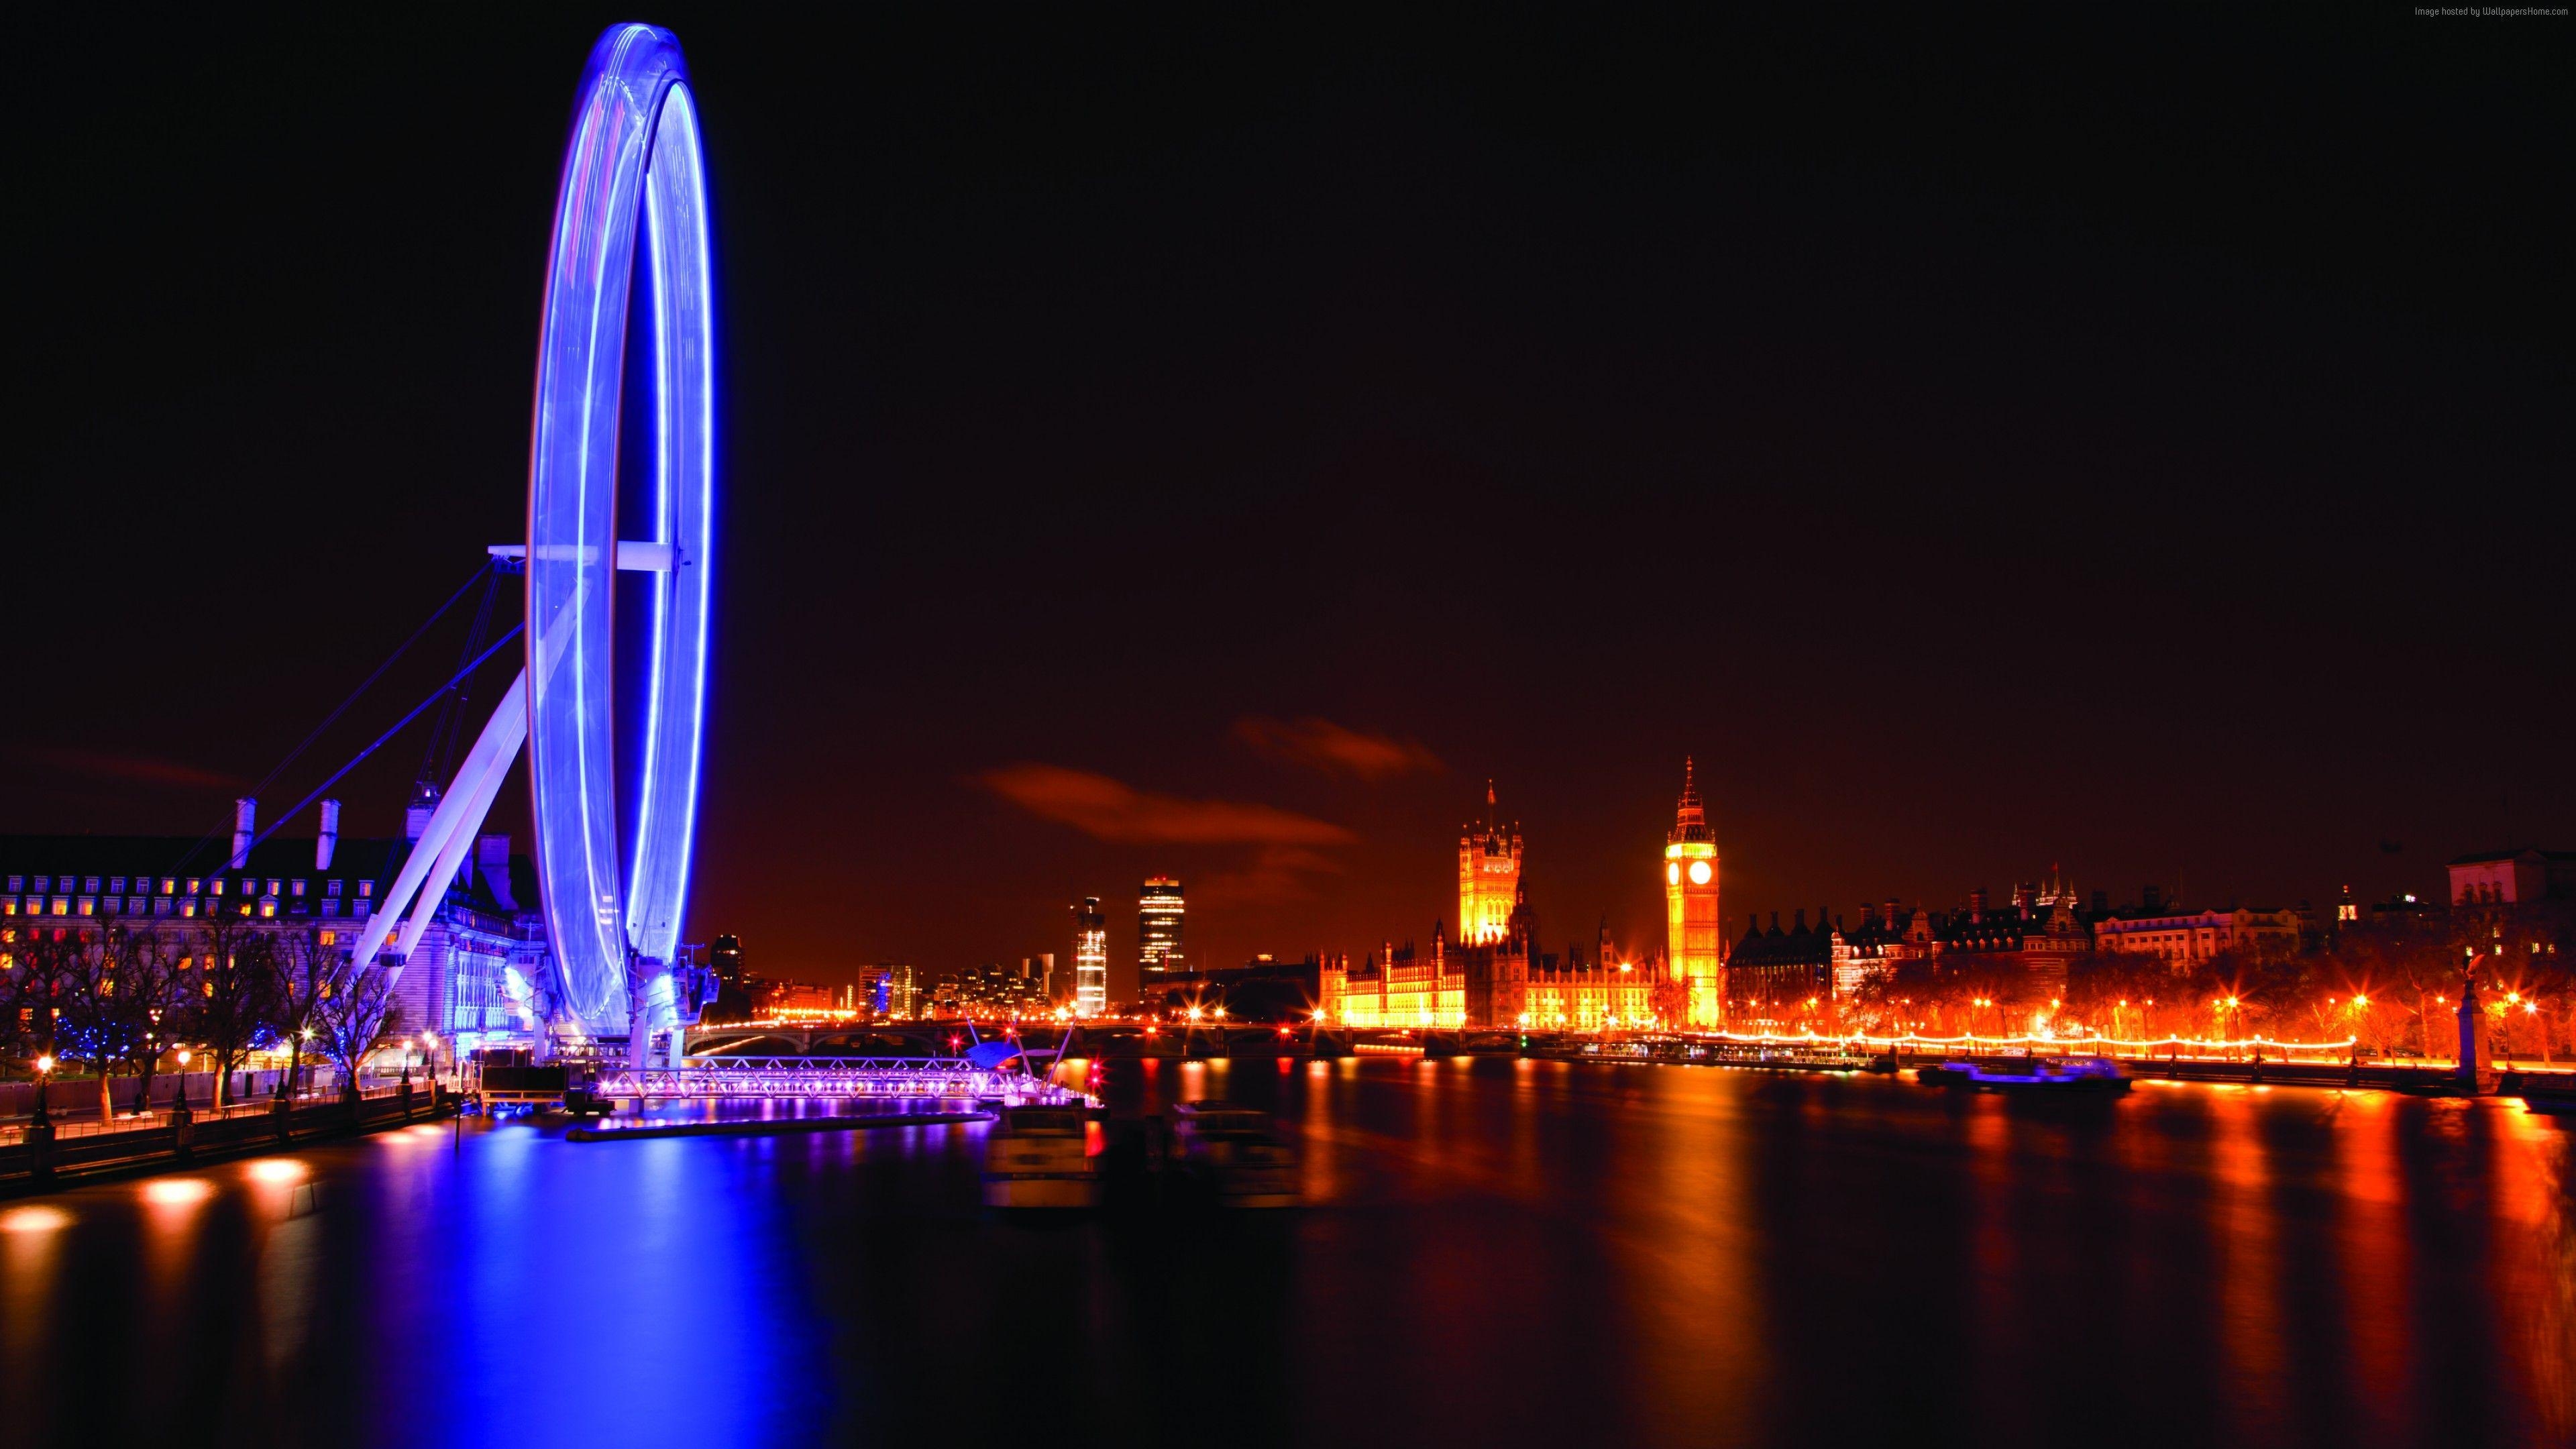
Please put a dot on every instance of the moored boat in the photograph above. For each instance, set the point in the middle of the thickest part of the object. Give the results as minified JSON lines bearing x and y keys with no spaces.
{"x":2070,"y":1075}
{"x":1245,"y":1160}
{"x":1040,"y":1157}
{"x":2551,"y":1092}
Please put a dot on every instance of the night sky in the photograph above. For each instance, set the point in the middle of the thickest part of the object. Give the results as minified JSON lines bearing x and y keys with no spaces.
{"x":1176,"y":444}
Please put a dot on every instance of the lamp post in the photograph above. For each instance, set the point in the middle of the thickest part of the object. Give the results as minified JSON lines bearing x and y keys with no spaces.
{"x":39,"y":1135}
{"x":44,"y":1077}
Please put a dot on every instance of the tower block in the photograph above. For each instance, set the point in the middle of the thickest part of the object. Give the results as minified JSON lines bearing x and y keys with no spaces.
{"x":1489,"y":877}
{"x":1694,"y":948}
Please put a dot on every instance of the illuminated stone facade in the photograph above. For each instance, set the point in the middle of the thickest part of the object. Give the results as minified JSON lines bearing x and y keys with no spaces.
{"x":1694,"y":952}
{"x":1489,"y":877}
{"x":480,"y":974}
{"x":1491,"y":976}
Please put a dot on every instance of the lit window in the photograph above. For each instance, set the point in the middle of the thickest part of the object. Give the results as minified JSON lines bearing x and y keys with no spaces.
{"x":188,"y":907}
{"x":170,"y":885}
{"x":298,"y":888}
{"x":62,"y":905}
{"x":8,"y":906}
{"x":366,"y":888}
{"x":273,"y":884}
{"x":215,"y":887}
{"x":88,"y":907}
{"x":195,"y":885}
{"x":330,"y":938}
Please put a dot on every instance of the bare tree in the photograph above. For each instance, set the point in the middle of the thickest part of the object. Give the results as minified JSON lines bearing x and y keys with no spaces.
{"x":35,"y":976}
{"x":106,"y":1013}
{"x":302,"y":970}
{"x":155,"y":983}
{"x":229,"y":994}
{"x":356,"y":1013}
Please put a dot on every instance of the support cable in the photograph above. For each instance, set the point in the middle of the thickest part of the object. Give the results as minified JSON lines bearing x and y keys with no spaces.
{"x":416,"y":711}
{"x":334,"y":716}
{"x":441,"y":753}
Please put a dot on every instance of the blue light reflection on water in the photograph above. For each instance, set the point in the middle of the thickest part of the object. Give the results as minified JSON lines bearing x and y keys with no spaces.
{"x":1517,"y":1252}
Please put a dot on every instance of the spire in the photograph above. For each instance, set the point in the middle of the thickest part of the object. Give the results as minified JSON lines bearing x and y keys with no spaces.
{"x":1690,"y":819}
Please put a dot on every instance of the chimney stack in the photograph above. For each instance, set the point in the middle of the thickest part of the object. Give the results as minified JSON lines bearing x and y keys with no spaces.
{"x":329,"y":840}
{"x":245,"y":825}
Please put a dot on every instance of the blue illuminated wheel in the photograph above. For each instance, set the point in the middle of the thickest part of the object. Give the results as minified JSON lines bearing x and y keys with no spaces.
{"x":632,"y":169}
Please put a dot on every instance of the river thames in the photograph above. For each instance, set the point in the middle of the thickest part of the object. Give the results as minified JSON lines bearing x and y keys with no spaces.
{"x":1493,"y":1252}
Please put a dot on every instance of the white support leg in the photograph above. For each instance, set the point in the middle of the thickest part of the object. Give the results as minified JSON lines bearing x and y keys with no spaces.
{"x":479,"y":793}
{"x":493,"y":750}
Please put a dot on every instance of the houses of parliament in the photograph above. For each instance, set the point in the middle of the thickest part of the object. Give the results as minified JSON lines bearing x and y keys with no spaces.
{"x":1493,"y":976}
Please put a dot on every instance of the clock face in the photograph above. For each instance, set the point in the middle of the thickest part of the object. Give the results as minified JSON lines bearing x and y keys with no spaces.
{"x":1673,"y":874}
{"x":1699,"y":872}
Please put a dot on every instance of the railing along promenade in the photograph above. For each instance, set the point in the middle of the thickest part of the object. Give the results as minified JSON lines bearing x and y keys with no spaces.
{"x":165,"y":1138}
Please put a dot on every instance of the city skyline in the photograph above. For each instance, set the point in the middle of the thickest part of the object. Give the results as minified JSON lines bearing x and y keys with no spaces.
{"x":1964,"y":494}
{"x":1535,"y":727}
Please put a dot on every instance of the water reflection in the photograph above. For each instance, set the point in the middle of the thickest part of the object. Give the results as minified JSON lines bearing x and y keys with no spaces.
{"x":1517,"y":1252}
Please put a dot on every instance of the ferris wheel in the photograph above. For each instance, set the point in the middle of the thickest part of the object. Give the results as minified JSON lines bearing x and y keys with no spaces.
{"x":631,"y":207}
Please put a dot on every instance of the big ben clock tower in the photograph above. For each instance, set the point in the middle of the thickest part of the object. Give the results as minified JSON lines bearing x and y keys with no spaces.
{"x":1694,"y":968}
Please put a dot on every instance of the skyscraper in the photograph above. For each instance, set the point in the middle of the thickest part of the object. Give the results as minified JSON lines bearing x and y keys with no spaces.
{"x":1693,"y":946}
{"x":1090,"y":958}
{"x":1158,"y":932}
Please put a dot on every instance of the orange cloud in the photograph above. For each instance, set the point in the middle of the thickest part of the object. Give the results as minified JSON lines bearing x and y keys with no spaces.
{"x":142,"y":769}
{"x":1277,"y":873}
{"x":1105,"y":809}
{"x":1335,"y":749}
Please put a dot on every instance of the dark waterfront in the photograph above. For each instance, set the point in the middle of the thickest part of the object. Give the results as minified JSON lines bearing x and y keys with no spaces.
{"x":1494,"y":1252}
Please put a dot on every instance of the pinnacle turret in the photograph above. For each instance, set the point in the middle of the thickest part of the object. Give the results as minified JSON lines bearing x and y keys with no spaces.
{"x":1690,"y":818}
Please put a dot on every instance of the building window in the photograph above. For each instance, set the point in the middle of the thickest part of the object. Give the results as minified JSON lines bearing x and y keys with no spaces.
{"x":214,"y":887}
{"x":367,"y":888}
{"x":62,"y":905}
{"x":273,"y":884}
{"x":44,"y":883}
{"x":116,"y":884}
{"x":18,"y":883}
{"x":330,"y":908}
{"x":88,"y":906}
{"x":91,"y":885}
{"x":188,"y":907}
{"x":330,"y":887}
{"x":330,"y":938}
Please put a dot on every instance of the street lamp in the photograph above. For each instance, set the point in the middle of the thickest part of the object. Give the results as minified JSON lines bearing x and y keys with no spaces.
{"x":44,"y":1074}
